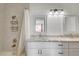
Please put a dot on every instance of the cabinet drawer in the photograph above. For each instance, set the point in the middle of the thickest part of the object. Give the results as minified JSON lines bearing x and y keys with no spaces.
{"x":34,"y":45}
{"x":74,"y":45}
{"x":73,"y":52}
{"x":47,"y":52}
{"x":46,"y":45}
{"x":32,"y":52}
{"x":55,"y":52}
{"x":59,"y":45}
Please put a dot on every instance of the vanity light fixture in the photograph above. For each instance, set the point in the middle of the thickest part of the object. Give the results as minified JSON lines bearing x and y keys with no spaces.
{"x":51,"y":12}
{"x":56,"y":12}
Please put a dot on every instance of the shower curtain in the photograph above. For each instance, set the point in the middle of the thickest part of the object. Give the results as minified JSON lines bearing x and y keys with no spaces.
{"x":25,"y":32}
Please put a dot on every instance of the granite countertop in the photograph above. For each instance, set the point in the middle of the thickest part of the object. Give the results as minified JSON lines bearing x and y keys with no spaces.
{"x":53,"y":39}
{"x":50,"y":38}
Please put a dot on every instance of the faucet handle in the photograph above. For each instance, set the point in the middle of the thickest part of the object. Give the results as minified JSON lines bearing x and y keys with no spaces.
{"x":14,"y":40}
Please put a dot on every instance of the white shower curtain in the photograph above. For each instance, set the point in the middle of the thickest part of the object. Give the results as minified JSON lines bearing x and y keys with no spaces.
{"x":25,"y":32}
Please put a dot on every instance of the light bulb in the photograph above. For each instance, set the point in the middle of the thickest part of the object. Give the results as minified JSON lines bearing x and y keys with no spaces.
{"x":56,"y":13}
{"x":62,"y":13}
{"x":50,"y":13}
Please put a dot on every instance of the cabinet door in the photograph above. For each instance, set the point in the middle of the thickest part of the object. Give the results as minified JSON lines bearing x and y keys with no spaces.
{"x":34,"y":52}
{"x":31,"y":52}
{"x":74,"y":45}
{"x":55,"y":52}
{"x":74,"y":48}
{"x":73,"y":52}
{"x":55,"y":25}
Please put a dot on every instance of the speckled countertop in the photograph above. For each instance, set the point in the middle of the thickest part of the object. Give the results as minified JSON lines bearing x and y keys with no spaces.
{"x":50,"y":39}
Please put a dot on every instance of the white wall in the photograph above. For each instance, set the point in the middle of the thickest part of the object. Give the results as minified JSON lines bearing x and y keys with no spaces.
{"x":43,"y":8}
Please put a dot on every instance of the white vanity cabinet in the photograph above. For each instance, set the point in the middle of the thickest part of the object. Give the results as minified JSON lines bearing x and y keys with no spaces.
{"x":46,"y":48}
{"x":71,"y":25}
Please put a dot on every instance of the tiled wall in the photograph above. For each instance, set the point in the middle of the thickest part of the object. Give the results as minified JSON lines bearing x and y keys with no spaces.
{"x":6,"y":12}
{"x":2,"y":8}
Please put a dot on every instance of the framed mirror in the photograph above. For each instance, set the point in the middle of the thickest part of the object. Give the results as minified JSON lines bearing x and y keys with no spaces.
{"x":40,"y":24}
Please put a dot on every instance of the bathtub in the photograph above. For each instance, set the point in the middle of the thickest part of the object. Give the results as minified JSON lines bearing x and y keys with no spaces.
{"x":6,"y":53}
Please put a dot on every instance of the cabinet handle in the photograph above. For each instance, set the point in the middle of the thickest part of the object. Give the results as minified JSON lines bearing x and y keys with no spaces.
{"x":60,"y":53}
{"x":39,"y":51}
{"x":60,"y":44}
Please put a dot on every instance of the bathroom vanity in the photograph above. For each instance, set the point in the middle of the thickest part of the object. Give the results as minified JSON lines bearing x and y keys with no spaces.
{"x":52,"y":48}
{"x":47,"y":48}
